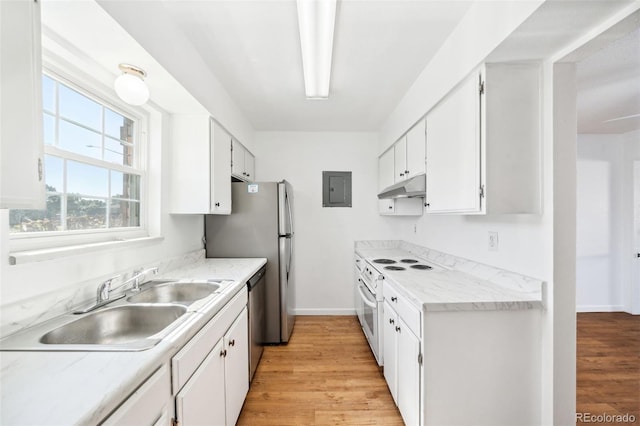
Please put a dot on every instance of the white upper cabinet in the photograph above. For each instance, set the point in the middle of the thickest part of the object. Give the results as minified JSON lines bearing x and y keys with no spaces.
{"x":200,"y":166}
{"x":409,"y":152}
{"x":453,"y":151}
{"x":483,"y":144}
{"x":416,"y":145}
{"x":400,"y":159}
{"x":386,"y":178}
{"x":21,"y":148}
{"x":242,"y":162}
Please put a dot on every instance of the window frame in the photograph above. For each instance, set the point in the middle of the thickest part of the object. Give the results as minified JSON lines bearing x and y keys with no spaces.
{"x":96,"y":91}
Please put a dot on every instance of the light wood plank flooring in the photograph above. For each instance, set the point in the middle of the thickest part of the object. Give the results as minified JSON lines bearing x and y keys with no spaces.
{"x":608,"y":364}
{"x":326,"y":375}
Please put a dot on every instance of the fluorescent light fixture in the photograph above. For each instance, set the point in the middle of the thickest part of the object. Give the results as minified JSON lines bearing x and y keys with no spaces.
{"x":316,"y":19}
{"x":130,"y":85}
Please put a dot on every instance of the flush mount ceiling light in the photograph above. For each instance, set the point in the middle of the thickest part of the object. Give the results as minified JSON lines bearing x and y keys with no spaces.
{"x":316,"y":20}
{"x":130,"y":85}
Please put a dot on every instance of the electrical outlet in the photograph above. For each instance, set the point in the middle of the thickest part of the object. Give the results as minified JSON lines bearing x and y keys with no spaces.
{"x":493,"y":241}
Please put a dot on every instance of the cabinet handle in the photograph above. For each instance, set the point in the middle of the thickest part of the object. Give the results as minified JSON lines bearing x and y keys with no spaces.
{"x":398,"y":329}
{"x":394,"y":299}
{"x":40,"y":172}
{"x":232,"y":342}
{"x":217,"y":204}
{"x":223,"y":353}
{"x":391,"y":321}
{"x":248,"y":175}
{"x":401,"y":174}
{"x":406,"y":172}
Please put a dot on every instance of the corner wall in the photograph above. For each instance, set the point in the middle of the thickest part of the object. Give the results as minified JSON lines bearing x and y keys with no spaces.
{"x":323,"y":265}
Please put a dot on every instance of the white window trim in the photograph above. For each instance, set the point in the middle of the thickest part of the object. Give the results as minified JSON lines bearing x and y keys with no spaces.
{"x":42,"y":246}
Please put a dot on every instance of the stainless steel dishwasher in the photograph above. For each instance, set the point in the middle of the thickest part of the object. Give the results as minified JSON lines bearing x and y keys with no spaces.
{"x":257,"y":323}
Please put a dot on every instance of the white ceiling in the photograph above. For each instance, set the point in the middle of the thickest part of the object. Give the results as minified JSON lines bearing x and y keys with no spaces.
{"x":380,"y":47}
{"x":609,"y":88}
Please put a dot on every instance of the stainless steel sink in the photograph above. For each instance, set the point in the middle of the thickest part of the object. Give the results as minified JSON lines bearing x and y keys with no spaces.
{"x":175,"y":292}
{"x":114,"y":326}
{"x":128,"y":327}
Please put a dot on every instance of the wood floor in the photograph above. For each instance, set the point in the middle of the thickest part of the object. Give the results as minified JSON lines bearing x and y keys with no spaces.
{"x":326,"y":375}
{"x":608,"y":364}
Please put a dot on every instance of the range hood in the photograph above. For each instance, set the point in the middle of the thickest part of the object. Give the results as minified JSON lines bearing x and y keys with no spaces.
{"x":412,"y":187}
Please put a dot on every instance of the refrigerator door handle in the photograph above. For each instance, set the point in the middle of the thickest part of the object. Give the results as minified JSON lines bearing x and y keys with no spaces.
{"x":288,"y":207}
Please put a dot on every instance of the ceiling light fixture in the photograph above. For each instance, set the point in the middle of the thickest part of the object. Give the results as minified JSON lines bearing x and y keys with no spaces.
{"x":130,"y":85}
{"x":316,"y":20}
{"x":626,"y":117}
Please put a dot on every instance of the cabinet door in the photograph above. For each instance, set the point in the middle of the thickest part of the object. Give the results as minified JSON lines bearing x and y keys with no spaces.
{"x":148,"y":405}
{"x":386,"y":179}
{"x":390,"y":350}
{"x":236,"y":366}
{"x":21,"y":148}
{"x":400,"y":159}
{"x":202,"y":400}
{"x":220,"y":170}
{"x":453,"y":151}
{"x":249,"y":166}
{"x":386,"y":170}
{"x":408,"y":374}
{"x":416,"y":145}
{"x":237,"y":159}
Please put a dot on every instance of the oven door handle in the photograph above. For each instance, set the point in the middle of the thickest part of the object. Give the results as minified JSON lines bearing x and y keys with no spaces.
{"x":364,"y":298}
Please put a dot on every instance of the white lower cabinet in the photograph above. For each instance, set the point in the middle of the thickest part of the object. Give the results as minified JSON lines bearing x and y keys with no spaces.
{"x":211,"y":373}
{"x":402,"y":357}
{"x":202,"y":400}
{"x":150,"y":404}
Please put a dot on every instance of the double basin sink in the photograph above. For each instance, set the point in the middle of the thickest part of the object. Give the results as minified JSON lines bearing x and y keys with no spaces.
{"x":135,"y":322}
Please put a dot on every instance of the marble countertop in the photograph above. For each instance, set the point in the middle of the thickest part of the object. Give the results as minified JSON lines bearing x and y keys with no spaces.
{"x":64,"y":388}
{"x":451,"y":284}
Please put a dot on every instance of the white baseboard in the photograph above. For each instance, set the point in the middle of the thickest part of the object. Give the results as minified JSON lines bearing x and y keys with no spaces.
{"x":599,"y":308}
{"x":320,"y":311}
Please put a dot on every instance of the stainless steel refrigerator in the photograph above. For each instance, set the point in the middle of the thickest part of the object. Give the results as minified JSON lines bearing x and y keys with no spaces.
{"x":261,"y":225}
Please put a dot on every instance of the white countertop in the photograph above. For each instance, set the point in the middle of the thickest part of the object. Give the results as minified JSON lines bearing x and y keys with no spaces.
{"x":447,"y":287}
{"x":64,"y":388}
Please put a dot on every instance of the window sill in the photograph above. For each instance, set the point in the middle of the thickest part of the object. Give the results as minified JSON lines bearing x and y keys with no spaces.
{"x":27,"y":256}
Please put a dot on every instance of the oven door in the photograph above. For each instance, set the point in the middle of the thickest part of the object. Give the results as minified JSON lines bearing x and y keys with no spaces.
{"x":367,"y":308}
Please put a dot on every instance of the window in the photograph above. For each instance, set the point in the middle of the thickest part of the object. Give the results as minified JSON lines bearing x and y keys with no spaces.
{"x":93,"y":170}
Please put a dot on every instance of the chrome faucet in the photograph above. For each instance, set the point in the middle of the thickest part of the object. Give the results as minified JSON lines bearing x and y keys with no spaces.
{"x":102,"y":295}
{"x":104,"y":288}
{"x":137,"y":275}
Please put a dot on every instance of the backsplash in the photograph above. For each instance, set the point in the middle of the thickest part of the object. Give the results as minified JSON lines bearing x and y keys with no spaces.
{"x":25,"y":313}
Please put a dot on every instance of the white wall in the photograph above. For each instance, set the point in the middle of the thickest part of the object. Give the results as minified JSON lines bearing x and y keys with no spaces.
{"x":25,"y":286}
{"x":631,"y":217}
{"x":605,"y":240}
{"x":35,"y":290}
{"x":324,"y":237}
{"x":599,"y":223}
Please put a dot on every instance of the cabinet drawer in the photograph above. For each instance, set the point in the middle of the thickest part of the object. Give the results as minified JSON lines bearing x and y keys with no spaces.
{"x":148,"y":405}
{"x":403,"y":307}
{"x":185,"y":362}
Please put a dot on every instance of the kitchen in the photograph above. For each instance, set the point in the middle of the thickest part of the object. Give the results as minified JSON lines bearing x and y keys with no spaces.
{"x":324,"y":236}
